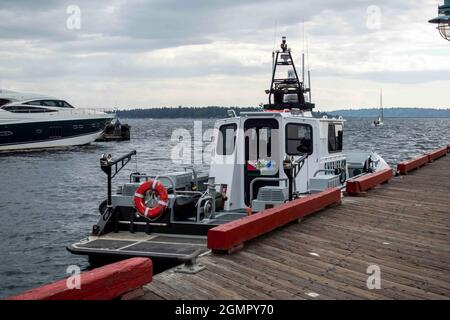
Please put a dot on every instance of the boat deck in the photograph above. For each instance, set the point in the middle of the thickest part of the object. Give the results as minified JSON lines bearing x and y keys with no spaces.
{"x":402,"y":227}
{"x":125,"y":244}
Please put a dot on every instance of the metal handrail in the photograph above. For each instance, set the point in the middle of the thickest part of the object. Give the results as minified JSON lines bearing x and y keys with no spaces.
{"x":323,"y":170}
{"x":157,"y":177}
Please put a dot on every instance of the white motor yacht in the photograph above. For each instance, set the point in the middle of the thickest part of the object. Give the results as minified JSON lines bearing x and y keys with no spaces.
{"x":32,"y":122}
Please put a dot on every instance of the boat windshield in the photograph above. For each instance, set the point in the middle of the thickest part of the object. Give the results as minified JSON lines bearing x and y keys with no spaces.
{"x":4,"y":101}
{"x":50,"y":103}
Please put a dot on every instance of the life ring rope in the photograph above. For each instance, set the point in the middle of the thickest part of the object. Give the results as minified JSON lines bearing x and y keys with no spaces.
{"x":139,"y":199}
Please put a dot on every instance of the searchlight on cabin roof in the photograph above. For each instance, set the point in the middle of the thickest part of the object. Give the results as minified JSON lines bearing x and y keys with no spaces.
{"x":443,"y":20}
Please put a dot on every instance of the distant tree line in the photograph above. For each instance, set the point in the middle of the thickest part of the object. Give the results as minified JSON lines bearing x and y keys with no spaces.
{"x":181,"y":112}
{"x":186,"y":112}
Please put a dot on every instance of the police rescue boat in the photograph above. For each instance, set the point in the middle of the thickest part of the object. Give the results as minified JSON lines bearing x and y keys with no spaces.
{"x":261,"y":160}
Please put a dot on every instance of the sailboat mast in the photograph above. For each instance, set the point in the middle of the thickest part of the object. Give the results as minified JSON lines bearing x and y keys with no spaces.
{"x":381,"y":103}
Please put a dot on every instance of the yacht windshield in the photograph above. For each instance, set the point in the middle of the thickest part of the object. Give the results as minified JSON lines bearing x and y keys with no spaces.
{"x":50,"y":103}
{"x":4,"y":101}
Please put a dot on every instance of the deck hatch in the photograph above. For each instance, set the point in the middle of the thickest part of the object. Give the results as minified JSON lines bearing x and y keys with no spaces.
{"x":106,"y":244}
{"x":163,"y":246}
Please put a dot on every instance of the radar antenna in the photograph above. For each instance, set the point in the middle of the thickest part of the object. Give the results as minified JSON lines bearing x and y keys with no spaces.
{"x":286,"y":92}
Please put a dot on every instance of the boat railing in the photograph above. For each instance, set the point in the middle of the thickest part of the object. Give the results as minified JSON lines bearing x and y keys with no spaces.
{"x":92,"y":111}
{"x":146,"y":177}
{"x":158,"y":177}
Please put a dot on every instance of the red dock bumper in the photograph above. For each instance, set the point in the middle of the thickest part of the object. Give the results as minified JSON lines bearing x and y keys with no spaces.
{"x":409,"y":165}
{"x":366,"y":182}
{"x":104,"y":283}
{"x":437,"y":154}
{"x":235,"y":233}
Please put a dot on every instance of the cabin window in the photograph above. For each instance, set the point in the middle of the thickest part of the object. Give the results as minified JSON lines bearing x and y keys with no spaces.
{"x":6,"y":133}
{"x":23,"y":109}
{"x":335,"y":137}
{"x":227,"y":139}
{"x":50,"y":103}
{"x":34,"y":103}
{"x":258,"y":142}
{"x":66,"y":104}
{"x":299,"y":139}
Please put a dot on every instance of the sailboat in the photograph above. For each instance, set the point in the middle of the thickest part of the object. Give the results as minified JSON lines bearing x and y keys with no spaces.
{"x":379,"y":122}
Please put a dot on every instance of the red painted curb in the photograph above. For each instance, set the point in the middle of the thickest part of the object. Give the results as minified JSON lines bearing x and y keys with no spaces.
{"x":366,"y":182}
{"x":104,"y":283}
{"x":409,"y":165}
{"x":437,"y":154}
{"x":234,"y":233}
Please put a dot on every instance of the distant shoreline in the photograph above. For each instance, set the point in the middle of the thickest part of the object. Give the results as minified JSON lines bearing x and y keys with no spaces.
{"x":393,"y":113}
{"x":187,"y":112}
{"x":214,"y":112}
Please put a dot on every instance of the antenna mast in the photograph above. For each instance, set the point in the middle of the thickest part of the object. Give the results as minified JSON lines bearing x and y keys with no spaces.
{"x":306,"y":89}
{"x":303,"y":68}
{"x":303,"y":54}
{"x":309,"y":85}
{"x":274,"y":46}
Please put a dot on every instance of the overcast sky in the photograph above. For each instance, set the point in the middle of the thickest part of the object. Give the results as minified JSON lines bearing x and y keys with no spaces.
{"x":147,"y":53}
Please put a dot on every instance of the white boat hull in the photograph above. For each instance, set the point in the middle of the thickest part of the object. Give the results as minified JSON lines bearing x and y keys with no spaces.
{"x":58,"y":128}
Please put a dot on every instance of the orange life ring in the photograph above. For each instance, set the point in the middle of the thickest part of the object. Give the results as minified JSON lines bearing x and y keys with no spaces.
{"x":139,"y":195}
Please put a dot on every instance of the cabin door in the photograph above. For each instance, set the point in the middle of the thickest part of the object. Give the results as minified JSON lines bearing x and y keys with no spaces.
{"x":262,"y":154}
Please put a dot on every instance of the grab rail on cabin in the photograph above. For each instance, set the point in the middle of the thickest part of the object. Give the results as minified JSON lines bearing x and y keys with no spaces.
{"x":324,"y":170}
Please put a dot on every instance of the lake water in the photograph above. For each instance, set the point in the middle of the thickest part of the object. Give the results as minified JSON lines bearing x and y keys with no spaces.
{"x":49,"y":199}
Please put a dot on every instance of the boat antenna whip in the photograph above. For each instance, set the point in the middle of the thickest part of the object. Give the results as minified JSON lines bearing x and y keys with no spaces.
{"x":309,"y":67}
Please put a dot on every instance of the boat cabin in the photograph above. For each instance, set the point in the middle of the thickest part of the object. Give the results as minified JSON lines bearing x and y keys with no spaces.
{"x":251,"y":150}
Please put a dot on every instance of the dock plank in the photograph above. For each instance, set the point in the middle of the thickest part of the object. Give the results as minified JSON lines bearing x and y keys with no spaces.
{"x":403,"y":227}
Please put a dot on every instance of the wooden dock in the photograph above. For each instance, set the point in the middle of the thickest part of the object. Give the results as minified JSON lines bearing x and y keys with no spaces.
{"x":402,"y":227}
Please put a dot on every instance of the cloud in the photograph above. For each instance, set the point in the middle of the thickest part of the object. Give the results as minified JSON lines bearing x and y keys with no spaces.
{"x":127,"y":46}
